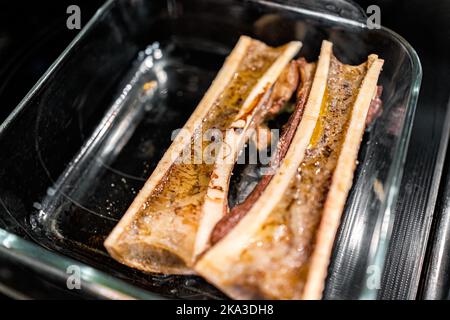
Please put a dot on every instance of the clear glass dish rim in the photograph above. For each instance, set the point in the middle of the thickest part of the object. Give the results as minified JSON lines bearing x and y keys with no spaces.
{"x":107,"y":286}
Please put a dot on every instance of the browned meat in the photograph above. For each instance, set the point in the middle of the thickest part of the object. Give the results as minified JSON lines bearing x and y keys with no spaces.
{"x":288,"y":132}
{"x":376,"y":107}
{"x":283,"y":89}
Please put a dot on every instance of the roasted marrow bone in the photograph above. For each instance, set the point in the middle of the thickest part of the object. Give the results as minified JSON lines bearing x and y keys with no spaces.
{"x":158,"y":232}
{"x":283,"y":88}
{"x":215,"y":206}
{"x":280,"y":248}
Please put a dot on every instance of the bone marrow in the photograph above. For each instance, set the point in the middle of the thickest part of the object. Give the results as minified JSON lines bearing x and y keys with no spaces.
{"x":276,"y":243}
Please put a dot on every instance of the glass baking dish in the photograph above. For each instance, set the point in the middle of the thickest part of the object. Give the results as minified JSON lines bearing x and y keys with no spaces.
{"x":83,"y":141}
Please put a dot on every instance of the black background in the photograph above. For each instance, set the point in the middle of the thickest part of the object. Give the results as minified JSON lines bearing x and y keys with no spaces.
{"x":32,"y":35}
